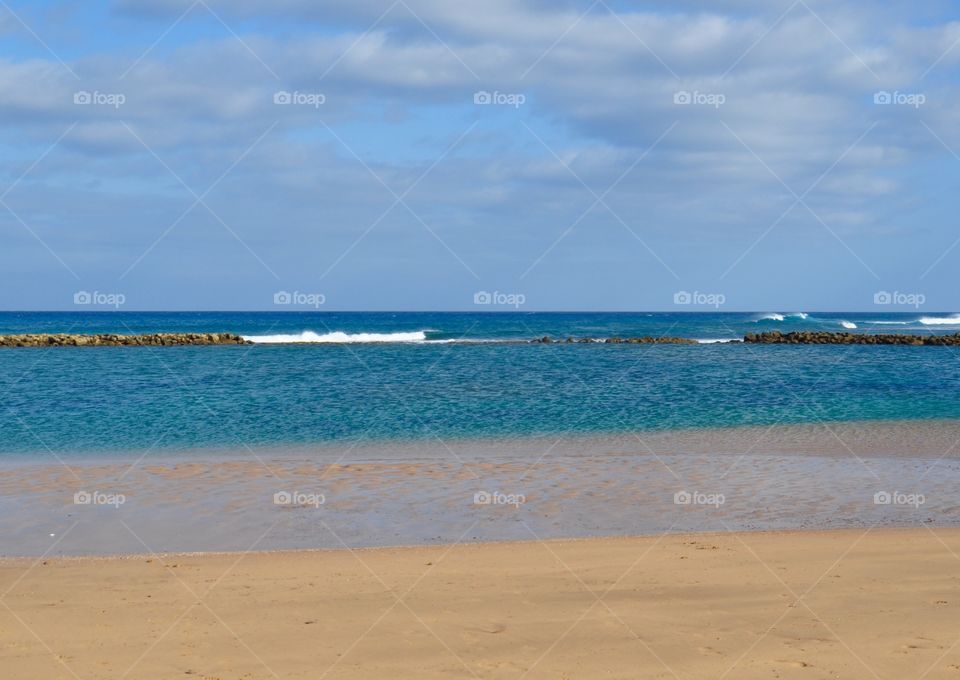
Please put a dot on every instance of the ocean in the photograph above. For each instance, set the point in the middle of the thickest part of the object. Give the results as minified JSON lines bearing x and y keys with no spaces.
{"x":367,"y":429}
{"x":321,"y":377}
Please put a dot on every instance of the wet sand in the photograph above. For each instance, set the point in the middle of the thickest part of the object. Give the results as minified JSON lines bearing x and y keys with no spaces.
{"x":788,"y":477}
{"x":826,"y":604}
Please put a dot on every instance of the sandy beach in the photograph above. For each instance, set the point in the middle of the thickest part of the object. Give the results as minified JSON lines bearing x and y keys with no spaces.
{"x":826,"y":604}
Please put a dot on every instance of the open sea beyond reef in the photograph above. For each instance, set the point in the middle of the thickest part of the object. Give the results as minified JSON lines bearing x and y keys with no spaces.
{"x":385,"y":429}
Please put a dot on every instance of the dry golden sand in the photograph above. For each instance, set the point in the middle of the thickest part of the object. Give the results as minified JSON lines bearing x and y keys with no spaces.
{"x":882,"y":604}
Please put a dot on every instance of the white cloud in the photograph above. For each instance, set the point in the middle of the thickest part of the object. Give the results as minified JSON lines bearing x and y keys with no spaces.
{"x":600,"y":89}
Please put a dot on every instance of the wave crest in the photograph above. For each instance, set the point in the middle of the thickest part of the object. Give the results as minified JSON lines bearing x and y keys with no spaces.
{"x":953,"y":320}
{"x":774,"y":316}
{"x":337,"y":337}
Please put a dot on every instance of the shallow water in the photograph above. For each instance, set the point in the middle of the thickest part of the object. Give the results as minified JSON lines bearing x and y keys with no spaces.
{"x":788,"y":477}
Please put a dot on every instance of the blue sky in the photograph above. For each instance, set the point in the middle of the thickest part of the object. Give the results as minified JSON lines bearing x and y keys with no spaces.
{"x":208,"y":154}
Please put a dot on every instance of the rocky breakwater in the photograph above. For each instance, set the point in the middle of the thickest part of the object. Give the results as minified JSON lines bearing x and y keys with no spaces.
{"x":117,"y":340}
{"x":643,"y":340}
{"x":828,"y":338}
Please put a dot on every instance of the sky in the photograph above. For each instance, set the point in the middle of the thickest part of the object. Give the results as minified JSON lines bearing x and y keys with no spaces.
{"x":416,"y":154}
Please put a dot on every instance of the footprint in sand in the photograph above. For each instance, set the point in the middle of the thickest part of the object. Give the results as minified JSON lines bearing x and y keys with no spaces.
{"x":488,"y":628}
{"x":492,"y":628}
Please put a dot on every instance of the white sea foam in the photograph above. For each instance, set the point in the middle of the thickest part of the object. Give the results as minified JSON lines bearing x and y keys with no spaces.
{"x":775,"y":316}
{"x":953,"y":320}
{"x":714,"y":341}
{"x":338,"y":337}
{"x":848,"y":324}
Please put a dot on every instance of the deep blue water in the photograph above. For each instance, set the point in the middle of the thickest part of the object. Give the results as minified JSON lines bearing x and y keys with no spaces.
{"x":114,"y":398}
{"x":463,"y":325}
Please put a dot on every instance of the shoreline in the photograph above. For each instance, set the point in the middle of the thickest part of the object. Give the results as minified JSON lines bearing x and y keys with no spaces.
{"x":872,"y":433}
{"x":9,"y":560}
{"x":742,"y":604}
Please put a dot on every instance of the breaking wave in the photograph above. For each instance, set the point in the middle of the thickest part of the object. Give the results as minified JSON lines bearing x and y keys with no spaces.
{"x":337,"y":337}
{"x":774,"y":316}
{"x":953,"y":320}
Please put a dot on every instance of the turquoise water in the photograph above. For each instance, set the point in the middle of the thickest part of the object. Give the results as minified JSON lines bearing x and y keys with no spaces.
{"x":82,"y":400}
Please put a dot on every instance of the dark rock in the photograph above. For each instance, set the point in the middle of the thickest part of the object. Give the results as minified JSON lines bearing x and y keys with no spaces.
{"x":641,"y":340}
{"x":117,"y":340}
{"x":829,"y":338}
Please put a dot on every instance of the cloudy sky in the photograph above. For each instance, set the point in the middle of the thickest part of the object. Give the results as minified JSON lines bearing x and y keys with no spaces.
{"x":405,"y":155}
